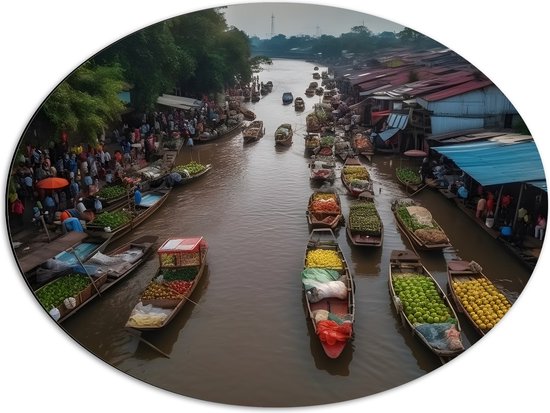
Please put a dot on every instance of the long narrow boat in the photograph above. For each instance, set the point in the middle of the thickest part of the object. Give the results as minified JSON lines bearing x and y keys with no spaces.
{"x":355,"y":176}
{"x":362,"y":145}
{"x":182,"y":265}
{"x":409,"y":179}
{"x":129,"y":217}
{"x":312,"y":142}
{"x":254,"y":131}
{"x":343,"y":149}
{"x":364,"y":226}
{"x":221,"y":131}
{"x":186,"y":173}
{"x":475,"y":295}
{"x":423,"y":307}
{"x":283,"y":135}
{"x":248,"y":114}
{"x":329,"y":292}
{"x":324,"y":210}
{"x":299,"y":104}
{"x":102,"y":271}
{"x":287,"y":98}
{"x":418,"y":225}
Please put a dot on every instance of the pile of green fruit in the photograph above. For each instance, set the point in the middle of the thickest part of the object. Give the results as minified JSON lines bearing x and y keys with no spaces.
{"x":420,"y":299}
{"x":111,"y":192}
{"x":183,"y":273}
{"x":192,"y":167}
{"x":408,"y":176}
{"x":113,"y":219}
{"x":363,"y":217}
{"x":410,"y":221}
{"x":52,"y":295}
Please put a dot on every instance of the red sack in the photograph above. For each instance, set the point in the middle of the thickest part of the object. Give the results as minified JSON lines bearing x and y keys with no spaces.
{"x":330,"y":331}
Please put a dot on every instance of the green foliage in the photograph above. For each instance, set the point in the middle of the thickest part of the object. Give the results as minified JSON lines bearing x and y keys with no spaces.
{"x":86,"y":101}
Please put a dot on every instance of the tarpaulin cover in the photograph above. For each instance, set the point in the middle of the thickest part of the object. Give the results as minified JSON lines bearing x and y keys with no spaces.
{"x":497,"y":163}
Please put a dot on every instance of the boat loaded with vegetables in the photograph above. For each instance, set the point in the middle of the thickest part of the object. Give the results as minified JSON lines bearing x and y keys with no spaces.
{"x":364,"y":226}
{"x":324,"y":210}
{"x":84,"y":280}
{"x":418,"y":225}
{"x":322,"y":168}
{"x":187,"y":172}
{"x":422,"y":305}
{"x":355,"y":176}
{"x":312,"y":142}
{"x":329,"y":292}
{"x":409,"y":178}
{"x":362,"y":146}
{"x":475,"y":295}
{"x":182,"y":263}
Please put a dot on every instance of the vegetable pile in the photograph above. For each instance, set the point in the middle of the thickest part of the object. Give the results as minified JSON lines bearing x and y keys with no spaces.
{"x":312,"y":142}
{"x":426,"y":230}
{"x":408,"y":176}
{"x":178,"y":274}
{"x":156,"y":290}
{"x":327,"y":140}
{"x":52,"y":295}
{"x":421,"y":300}
{"x":321,"y":258}
{"x":181,"y":287}
{"x":113,"y":219}
{"x":111,"y":192}
{"x":360,"y":142}
{"x":192,"y":167}
{"x":325,"y":151}
{"x":363,"y":217}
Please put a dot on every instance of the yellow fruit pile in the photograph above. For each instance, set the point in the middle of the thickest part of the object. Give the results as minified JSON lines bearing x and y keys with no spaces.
{"x":355,"y":172}
{"x":483,"y":302}
{"x":320,"y":258}
{"x":321,"y":196}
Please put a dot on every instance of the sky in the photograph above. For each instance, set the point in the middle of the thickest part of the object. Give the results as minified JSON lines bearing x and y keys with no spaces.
{"x":301,"y":19}
{"x":42,"y":42}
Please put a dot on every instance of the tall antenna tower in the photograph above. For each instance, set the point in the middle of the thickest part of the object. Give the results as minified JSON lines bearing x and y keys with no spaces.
{"x":272,"y":25}
{"x":317,"y":31}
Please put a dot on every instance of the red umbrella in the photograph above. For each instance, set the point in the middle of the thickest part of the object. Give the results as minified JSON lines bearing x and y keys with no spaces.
{"x":52,"y":183}
{"x":415,"y":153}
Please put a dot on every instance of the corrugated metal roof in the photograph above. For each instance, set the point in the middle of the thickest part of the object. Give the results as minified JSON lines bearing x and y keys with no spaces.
{"x":457,"y":90}
{"x":496,"y":162}
{"x":398,"y":120}
{"x":388,"y":133}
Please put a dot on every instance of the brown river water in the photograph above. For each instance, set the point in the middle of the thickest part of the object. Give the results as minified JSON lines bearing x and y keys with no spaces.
{"x":248,"y":341}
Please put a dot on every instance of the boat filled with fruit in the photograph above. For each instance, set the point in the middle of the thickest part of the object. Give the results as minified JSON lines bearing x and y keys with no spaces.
{"x":355,"y":176}
{"x":362,"y":145}
{"x":187,"y":172}
{"x":364,"y":226}
{"x":329,"y":292}
{"x":322,"y":168}
{"x":409,"y":178}
{"x":418,"y":225}
{"x":312,"y":142}
{"x":182,"y":263}
{"x":422,"y":305}
{"x":475,"y":295}
{"x":324,"y":210}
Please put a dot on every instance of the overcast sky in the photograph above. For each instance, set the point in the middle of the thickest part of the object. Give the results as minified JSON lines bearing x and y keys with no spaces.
{"x":293,"y":19}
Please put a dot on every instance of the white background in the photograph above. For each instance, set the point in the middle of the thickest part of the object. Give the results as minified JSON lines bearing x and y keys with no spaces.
{"x":43,"y":41}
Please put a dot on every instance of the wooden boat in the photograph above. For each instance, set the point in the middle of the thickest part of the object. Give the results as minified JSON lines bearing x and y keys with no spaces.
{"x":248,"y":114}
{"x":283,"y":135}
{"x":310,"y":93}
{"x":364,"y":226}
{"x":299,"y":104}
{"x":182,"y":263}
{"x":316,"y":76}
{"x":187,"y":175}
{"x":316,"y":68}
{"x":312,"y":142}
{"x":324,"y":210}
{"x":475,"y":295}
{"x":103,"y":271}
{"x":422,"y":305}
{"x":255,"y":96}
{"x":322,"y":168}
{"x":319,"y":91}
{"x":254,"y":131}
{"x":313,"y":85}
{"x":409,"y":179}
{"x":128,"y":218}
{"x":46,"y":260}
{"x":269,"y":85}
{"x":220,"y":132}
{"x":362,"y":145}
{"x":355,"y":176}
{"x":418,"y":225}
{"x":329,"y":292}
{"x":287,"y":98}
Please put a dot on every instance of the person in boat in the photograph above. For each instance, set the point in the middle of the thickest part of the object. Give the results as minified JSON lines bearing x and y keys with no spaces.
{"x":137,"y":195}
{"x":425,"y":170}
{"x":540,"y":227}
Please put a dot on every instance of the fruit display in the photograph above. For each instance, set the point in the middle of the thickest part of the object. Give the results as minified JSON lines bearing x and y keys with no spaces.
{"x":192,"y":167}
{"x":325,"y":151}
{"x":181,"y":287}
{"x":156,"y":290}
{"x":321,"y":258}
{"x":419,"y":221}
{"x":483,"y":302}
{"x":325,"y":202}
{"x":327,"y":141}
{"x":111,"y":192}
{"x":113,"y":219}
{"x":351,"y":172}
{"x":361,"y":143}
{"x":363,"y":217}
{"x":408,"y":176}
{"x":178,"y":274}
{"x":312,"y":142}
{"x":420,"y":298}
{"x":53,"y":294}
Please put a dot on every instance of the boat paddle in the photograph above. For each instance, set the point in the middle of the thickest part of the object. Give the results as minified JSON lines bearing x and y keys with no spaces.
{"x":71,"y":250}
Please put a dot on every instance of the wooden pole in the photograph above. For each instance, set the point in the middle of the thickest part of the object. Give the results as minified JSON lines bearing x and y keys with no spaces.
{"x":85,"y":270}
{"x":135,"y":333}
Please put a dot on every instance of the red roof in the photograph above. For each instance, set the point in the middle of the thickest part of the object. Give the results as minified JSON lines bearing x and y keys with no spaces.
{"x":457,"y":90}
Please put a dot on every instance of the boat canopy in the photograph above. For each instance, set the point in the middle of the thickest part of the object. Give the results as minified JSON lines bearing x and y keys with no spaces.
{"x":179,"y":102}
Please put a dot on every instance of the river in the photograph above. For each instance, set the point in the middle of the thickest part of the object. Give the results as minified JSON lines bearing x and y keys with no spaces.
{"x":248,"y":341}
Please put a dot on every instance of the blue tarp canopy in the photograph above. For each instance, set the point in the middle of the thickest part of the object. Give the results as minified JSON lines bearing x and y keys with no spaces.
{"x":495,"y":162}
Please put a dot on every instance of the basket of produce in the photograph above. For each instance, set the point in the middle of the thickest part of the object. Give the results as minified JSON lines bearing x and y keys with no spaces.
{"x":53,"y":294}
{"x":364,"y":218}
{"x":160,"y":295}
{"x":111,"y":220}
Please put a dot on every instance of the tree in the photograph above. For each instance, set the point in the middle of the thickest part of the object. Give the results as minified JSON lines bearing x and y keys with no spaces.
{"x":86,"y":102}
